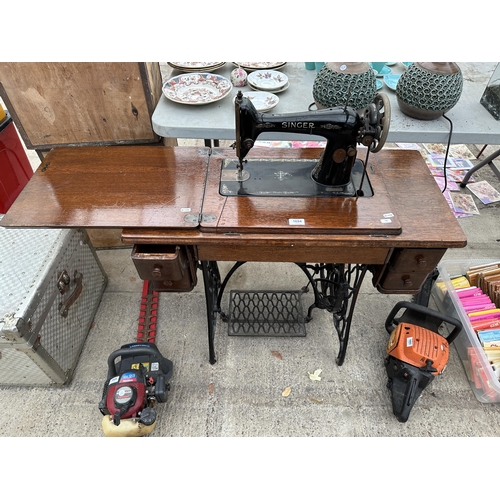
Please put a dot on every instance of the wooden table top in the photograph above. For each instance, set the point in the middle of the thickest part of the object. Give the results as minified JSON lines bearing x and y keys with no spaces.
{"x":279,"y":214}
{"x":150,"y":192}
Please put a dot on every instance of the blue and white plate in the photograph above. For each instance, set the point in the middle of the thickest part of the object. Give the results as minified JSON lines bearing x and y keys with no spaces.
{"x":379,"y":84}
{"x":384,"y":71}
{"x":391,"y":81}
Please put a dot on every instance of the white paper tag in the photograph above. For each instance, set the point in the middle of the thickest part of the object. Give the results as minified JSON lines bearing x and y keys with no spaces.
{"x":385,"y":221}
{"x":296,"y":222}
{"x":387,"y":216}
{"x":185,"y":210}
{"x":409,"y":341}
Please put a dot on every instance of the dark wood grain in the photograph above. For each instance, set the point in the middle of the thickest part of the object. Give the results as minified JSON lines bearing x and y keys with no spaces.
{"x":113,"y":186}
{"x":146,"y":190}
{"x":424,"y":214}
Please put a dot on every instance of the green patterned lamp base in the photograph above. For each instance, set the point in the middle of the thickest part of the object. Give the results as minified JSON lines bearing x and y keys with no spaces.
{"x":427,"y":91}
{"x":340,"y":84}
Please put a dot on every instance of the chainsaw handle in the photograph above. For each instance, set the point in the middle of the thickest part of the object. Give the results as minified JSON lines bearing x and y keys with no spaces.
{"x":146,"y":351}
{"x":389,"y":326}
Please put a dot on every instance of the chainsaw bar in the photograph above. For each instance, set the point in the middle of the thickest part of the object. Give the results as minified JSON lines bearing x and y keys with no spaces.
{"x":146,"y":330}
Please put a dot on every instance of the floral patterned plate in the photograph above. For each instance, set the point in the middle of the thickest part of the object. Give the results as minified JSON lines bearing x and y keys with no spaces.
{"x":252,"y":66}
{"x":274,"y":91}
{"x":263,"y":101}
{"x":267,"y":79}
{"x":197,"y":88}
{"x":187,"y":67}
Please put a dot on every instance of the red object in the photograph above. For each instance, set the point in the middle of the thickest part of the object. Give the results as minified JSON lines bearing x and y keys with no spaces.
{"x":15,"y":168}
{"x":129,"y":392}
{"x":146,"y":331}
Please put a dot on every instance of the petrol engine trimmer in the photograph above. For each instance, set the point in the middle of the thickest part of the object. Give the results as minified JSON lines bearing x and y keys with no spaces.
{"x":416,"y":353}
{"x":133,"y":386}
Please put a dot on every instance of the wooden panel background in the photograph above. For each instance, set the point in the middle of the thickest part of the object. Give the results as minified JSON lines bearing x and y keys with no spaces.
{"x":81,"y":103}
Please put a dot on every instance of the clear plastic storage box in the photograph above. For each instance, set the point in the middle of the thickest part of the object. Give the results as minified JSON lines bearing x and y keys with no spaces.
{"x":482,"y":378}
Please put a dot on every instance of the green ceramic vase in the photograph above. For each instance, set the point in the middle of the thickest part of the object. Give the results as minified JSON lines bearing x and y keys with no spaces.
{"x":427,"y":90}
{"x":341,"y":83}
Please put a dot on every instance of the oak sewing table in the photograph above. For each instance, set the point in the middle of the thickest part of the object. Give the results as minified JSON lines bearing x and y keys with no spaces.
{"x":168,"y":199}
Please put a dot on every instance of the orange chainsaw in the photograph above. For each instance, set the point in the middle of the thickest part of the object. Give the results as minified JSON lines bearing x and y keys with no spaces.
{"x":417,"y":353}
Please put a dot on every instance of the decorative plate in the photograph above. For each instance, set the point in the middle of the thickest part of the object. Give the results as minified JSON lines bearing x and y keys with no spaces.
{"x":197,"y":88}
{"x":267,"y":79}
{"x":384,"y":71}
{"x":252,"y":66}
{"x":378,"y":84}
{"x":275,"y":91}
{"x":263,"y":101}
{"x":391,"y":81}
{"x":196,"y":66}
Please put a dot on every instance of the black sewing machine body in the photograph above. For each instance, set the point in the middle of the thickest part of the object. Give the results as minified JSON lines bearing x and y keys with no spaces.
{"x":337,"y":172}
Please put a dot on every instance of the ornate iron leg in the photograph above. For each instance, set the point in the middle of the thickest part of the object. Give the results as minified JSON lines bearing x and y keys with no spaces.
{"x":211,"y":280}
{"x":336,"y":288}
{"x":236,"y":266}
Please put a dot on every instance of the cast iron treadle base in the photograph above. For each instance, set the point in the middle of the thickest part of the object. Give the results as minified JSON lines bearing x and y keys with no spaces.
{"x":336,"y":288}
{"x":266,"y":313}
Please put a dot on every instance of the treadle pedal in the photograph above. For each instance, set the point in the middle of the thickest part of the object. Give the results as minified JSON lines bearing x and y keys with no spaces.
{"x":266,"y":313}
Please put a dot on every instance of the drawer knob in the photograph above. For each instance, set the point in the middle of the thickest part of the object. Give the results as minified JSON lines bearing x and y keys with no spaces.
{"x":156,"y":273}
{"x":420,"y":260}
{"x":406,"y":281}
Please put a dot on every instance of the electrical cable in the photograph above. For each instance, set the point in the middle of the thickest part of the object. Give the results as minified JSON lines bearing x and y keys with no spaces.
{"x":446,"y":155}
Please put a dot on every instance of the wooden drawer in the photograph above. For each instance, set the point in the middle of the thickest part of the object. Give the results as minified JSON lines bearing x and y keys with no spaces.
{"x":292,"y":253}
{"x":407,"y":270}
{"x":415,"y":260}
{"x":169,"y":267}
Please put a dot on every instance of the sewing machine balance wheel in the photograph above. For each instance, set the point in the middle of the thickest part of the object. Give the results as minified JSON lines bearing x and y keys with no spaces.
{"x":383,"y":118}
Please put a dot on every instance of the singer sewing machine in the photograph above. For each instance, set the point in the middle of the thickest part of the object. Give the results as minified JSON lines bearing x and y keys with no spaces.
{"x":338,"y":172}
{"x":272,"y":192}
{"x":184,"y":209}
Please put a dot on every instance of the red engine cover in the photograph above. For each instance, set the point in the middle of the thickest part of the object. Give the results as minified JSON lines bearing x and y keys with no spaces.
{"x":119,"y":385}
